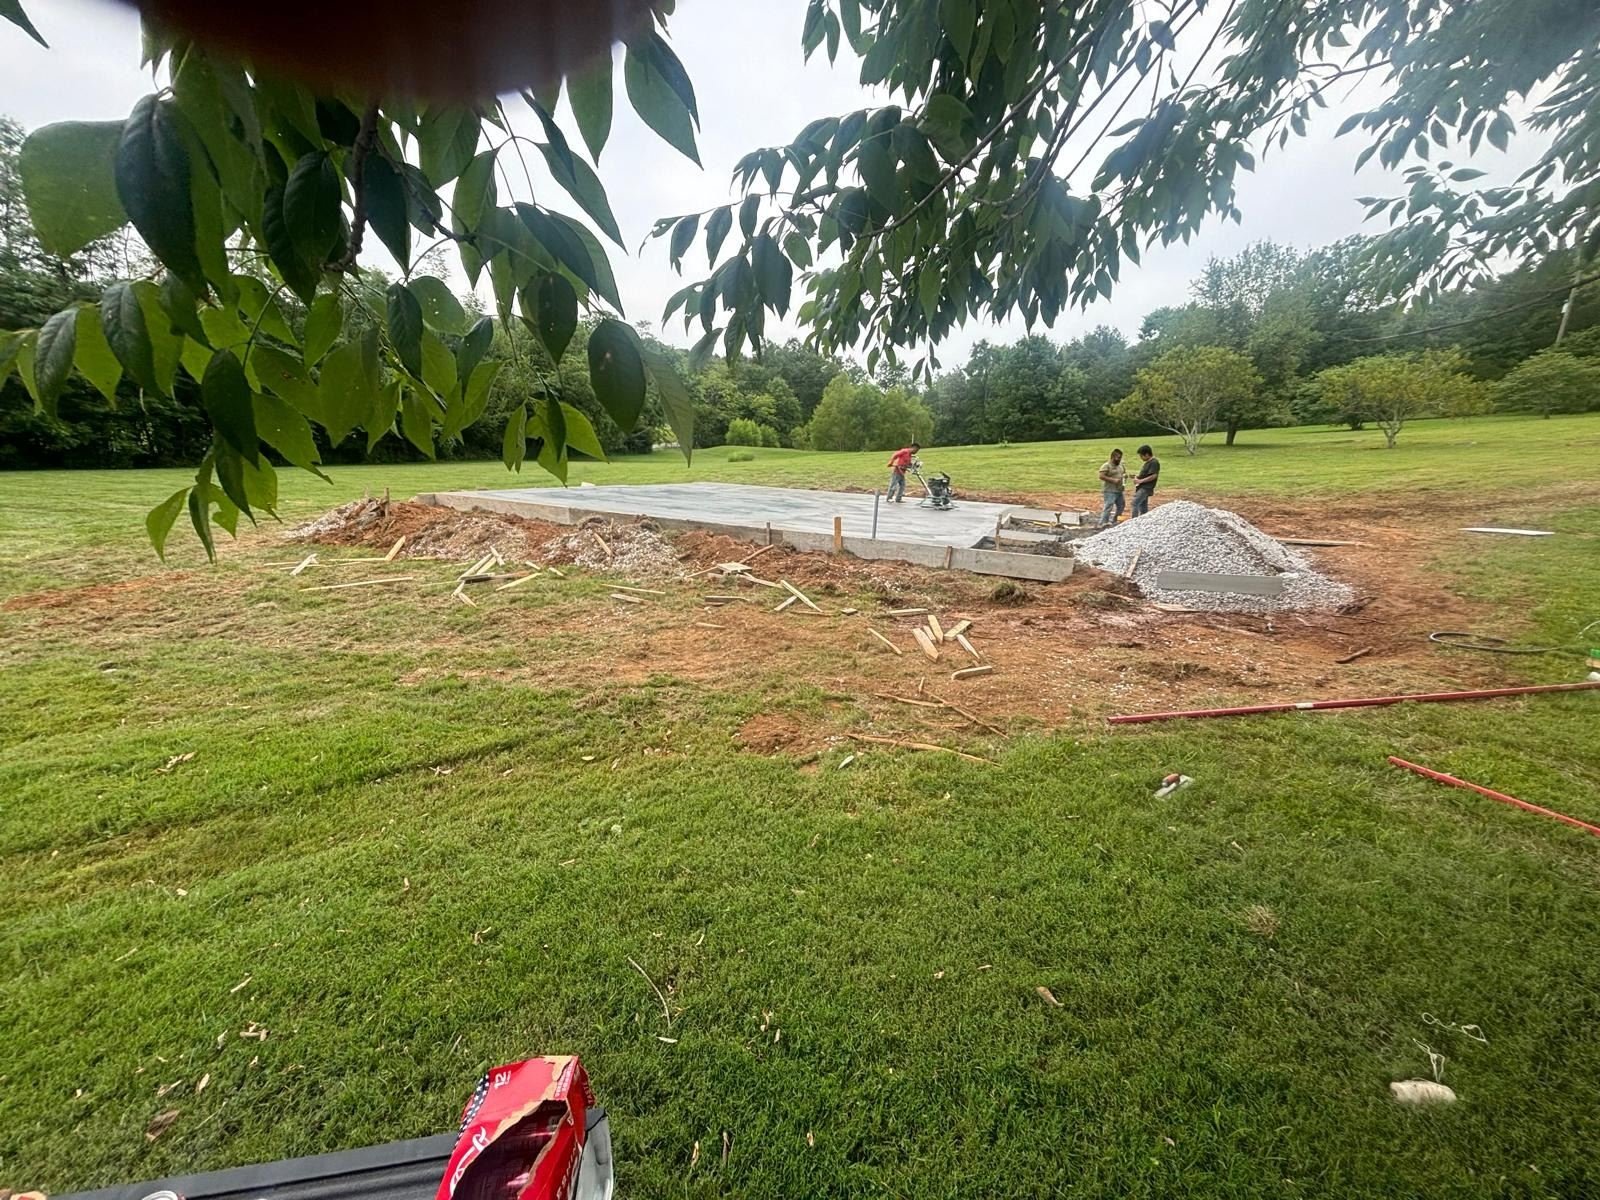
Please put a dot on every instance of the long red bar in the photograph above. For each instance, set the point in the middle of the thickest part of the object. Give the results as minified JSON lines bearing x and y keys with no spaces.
{"x":1366,"y":702}
{"x":1441,"y":777}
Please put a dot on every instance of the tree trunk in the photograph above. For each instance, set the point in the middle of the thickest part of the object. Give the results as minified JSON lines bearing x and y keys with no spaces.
{"x":1233,"y":431}
{"x":1389,"y":436}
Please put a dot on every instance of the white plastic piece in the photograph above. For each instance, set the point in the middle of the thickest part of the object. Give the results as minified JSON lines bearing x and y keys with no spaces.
{"x":1421,"y":1092}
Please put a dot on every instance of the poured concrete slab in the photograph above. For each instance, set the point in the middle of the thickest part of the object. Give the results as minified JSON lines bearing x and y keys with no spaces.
{"x":906,"y":532}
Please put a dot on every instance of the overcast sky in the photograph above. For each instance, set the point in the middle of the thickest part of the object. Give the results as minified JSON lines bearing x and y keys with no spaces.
{"x":754,"y":90}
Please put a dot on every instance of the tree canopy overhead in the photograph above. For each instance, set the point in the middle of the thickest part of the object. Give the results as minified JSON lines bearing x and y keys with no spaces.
{"x":1030,"y":152}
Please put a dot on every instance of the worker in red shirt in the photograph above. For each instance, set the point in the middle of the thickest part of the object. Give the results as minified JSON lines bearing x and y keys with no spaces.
{"x":898,"y":466}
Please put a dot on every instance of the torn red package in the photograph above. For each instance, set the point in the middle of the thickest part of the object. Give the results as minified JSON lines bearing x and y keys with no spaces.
{"x":526,"y":1134}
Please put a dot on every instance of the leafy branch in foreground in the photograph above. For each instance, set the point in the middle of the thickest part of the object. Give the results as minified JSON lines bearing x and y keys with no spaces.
{"x":255,"y":194}
{"x":1037,"y":148}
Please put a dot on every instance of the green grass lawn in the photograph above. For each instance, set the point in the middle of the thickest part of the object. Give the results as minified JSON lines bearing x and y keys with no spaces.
{"x":422,"y":879}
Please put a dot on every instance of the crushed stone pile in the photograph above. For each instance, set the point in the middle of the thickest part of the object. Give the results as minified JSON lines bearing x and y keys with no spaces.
{"x":637,"y":550}
{"x":1184,"y":536}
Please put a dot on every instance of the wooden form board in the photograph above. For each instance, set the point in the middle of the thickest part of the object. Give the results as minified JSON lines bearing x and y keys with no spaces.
{"x":1202,"y":581}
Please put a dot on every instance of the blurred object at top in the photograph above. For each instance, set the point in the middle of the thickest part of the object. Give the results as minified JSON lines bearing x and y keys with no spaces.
{"x":468,"y":50}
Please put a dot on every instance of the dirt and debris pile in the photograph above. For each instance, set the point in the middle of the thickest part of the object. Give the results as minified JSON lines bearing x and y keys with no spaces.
{"x":430,"y":531}
{"x":1184,"y":536}
{"x":637,"y":550}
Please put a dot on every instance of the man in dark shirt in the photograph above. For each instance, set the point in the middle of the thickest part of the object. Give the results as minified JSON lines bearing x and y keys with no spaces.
{"x":1144,"y":486}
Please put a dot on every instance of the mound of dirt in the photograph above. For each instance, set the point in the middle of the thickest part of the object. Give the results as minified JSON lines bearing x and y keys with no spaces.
{"x":430,"y":531}
{"x":637,"y":550}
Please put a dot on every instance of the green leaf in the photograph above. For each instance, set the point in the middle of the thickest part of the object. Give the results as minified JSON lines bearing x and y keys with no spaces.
{"x":473,"y":347}
{"x":225,"y":393}
{"x":223,"y":328}
{"x":749,"y":210}
{"x":580,"y":433}
{"x":260,"y":310}
{"x":200,"y":497}
{"x":387,"y":211}
{"x":589,"y":92}
{"x":699,"y":354}
{"x":774,"y":274}
{"x":475,"y":193}
{"x":10,"y":347}
{"x":555,"y":310}
{"x":655,"y":91}
{"x":583,"y":185}
{"x":959,"y":18}
{"x":446,"y":143}
{"x":94,"y":357}
{"x":230,"y":475}
{"x":675,"y":399}
{"x":405,"y":327}
{"x":346,"y":391}
{"x":284,"y":376}
{"x":949,"y":126}
{"x":27,"y":351}
{"x":323,"y":324}
{"x":158,"y":522}
{"x":554,"y":420}
{"x":152,"y":174}
{"x":311,"y":207}
{"x":440,"y":308}
{"x":616,"y":372}
{"x":604,"y":281}
{"x":560,"y":240}
{"x":438,"y":365}
{"x":53,"y":356}
{"x":300,"y":275}
{"x":514,"y":447}
{"x":69,"y":178}
{"x":122,"y":321}
{"x":11,"y":10}
{"x":718,"y":225}
{"x":287,"y":432}
{"x":181,"y":308}
{"x":379,"y":419}
{"x":682,"y":238}
{"x":165,"y":344}
{"x":416,"y":421}
{"x":797,"y":248}
{"x":260,"y":486}
{"x":473,"y":400}
{"x":205,"y":90}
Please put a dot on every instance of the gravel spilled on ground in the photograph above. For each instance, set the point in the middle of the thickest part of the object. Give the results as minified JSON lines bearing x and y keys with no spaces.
{"x":1184,"y":536}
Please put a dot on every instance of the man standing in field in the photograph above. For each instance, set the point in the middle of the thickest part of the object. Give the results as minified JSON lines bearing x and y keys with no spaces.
{"x":898,"y":466}
{"x":1144,"y":486}
{"x":1112,"y":473}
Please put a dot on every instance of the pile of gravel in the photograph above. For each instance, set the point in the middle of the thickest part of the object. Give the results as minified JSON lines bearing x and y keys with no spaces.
{"x":636,"y":551}
{"x":1184,"y":536}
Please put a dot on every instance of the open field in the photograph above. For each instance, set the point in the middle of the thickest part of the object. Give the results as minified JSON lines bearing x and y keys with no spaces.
{"x":431,"y":838}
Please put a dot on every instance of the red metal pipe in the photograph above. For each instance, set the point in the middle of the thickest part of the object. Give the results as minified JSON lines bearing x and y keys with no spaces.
{"x":1441,"y":777}
{"x":1366,"y":702}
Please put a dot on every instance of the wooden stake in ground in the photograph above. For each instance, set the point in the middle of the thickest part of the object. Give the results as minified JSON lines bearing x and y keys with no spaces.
{"x":926,"y":643}
{"x":334,"y":587}
{"x":961,"y":640}
{"x":518,"y":582}
{"x":623,"y":596}
{"x":603,"y":546}
{"x":884,"y":640}
{"x":394,"y":549}
{"x":558,"y":573}
{"x":838,"y":535}
{"x":888,"y":741}
{"x":958,"y":629}
{"x":308,"y":561}
{"x":936,"y":629}
{"x":969,"y":672}
{"x":1133,"y":565}
{"x":949,"y":556}
{"x":799,"y":595}
{"x":783,"y":604}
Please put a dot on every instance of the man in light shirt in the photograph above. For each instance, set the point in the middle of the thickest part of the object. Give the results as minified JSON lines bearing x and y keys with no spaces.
{"x":1112,"y":474}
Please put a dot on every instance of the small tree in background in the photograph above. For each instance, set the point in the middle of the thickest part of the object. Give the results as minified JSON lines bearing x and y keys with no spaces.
{"x":1552,"y":381}
{"x":1187,"y":389}
{"x":1391,"y":389}
{"x":742,"y":431}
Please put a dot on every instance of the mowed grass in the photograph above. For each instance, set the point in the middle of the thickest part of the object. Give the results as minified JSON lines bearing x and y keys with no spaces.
{"x":424,"y":875}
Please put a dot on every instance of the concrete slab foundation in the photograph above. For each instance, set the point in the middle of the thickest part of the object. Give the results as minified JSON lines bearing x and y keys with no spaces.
{"x":802,"y":519}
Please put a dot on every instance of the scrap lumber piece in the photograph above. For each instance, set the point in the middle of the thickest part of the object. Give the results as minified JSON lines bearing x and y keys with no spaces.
{"x":395,"y":549}
{"x":520,"y":579}
{"x":848,"y":612}
{"x":622,"y":587}
{"x":762,"y":582}
{"x":926,"y":643}
{"x":961,"y":712}
{"x":909,"y":700}
{"x":607,"y":549}
{"x":904,"y":745}
{"x":478,"y":567}
{"x":799,"y":595}
{"x":906,"y":612}
{"x":1315,"y":542}
{"x":557,"y":572}
{"x":461,"y":594}
{"x":749,"y":558}
{"x":708,"y":625}
{"x":623,"y":596}
{"x":308,"y":561}
{"x":333,"y":587}
{"x":1133,"y":563}
{"x":961,"y":640}
{"x":884,"y":640}
{"x":958,"y":629}
{"x":1209,"y":581}
{"x":1350,"y":658}
{"x":725,"y":599}
{"x":783,"y":604}
{"x":970,"y":672}
{"x":936,"y":629}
